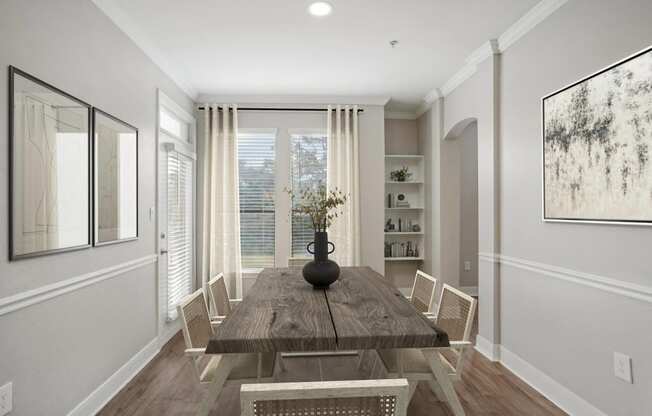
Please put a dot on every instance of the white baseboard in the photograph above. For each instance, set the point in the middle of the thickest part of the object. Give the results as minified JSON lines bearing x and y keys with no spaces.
{"x":470,"y":290}
{"x":565,"y":399}
{"x":95,"y":401}
{"x":486,"y":348}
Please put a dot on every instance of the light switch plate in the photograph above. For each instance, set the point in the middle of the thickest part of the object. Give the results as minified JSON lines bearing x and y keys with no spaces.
{"x":623,"y":367}
{"x":6,"y":402}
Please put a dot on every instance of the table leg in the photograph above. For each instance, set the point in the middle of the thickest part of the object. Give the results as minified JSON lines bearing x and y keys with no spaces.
{"x":222,"y":371}
{"x":442,"y":377}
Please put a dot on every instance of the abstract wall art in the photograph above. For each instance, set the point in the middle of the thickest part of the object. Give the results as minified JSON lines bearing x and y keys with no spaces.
{"x":597,"y":146}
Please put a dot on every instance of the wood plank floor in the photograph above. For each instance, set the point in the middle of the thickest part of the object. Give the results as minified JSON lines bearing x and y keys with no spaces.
{"x":167,"y":386}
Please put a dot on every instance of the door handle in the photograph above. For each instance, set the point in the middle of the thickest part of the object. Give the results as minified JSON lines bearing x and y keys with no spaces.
{"x":164,"y":251}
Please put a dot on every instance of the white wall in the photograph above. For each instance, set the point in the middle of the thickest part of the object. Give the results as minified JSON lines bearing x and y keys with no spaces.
{"x":567,"y":330}
{"x":58,"y":351}
{"x":554,"y":325}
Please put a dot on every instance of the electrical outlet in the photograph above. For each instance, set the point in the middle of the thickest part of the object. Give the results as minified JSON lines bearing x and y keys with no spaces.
{"x":623,"y":367}
{"x":5,"y":399}
{"x":467,"y":266}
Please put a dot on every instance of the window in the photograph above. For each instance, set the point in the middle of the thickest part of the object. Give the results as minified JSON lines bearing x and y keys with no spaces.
{"x":180,"y":229}
{"x":257,"y":168}
{"x":173,"y":125}
{"x":308,"y":170}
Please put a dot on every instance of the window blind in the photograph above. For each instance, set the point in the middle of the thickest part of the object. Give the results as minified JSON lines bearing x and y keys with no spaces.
{"x":180,"y":230}
{"x":308,"y":170}
{"x":257,"y":171}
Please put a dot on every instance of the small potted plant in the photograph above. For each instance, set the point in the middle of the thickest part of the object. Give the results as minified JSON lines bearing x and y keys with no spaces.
{"x":323,"y":206}
{"x":400,"y":175}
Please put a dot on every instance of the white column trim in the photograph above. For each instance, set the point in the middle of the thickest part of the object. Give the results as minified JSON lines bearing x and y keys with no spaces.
{"x":607,"y":284}
{"x":31,"y":297}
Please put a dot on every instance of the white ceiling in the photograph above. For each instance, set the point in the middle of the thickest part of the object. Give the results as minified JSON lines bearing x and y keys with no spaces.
{"x":264,"y":47}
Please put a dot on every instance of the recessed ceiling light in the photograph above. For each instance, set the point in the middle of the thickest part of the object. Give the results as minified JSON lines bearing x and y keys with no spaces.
{"x":320,"y":9}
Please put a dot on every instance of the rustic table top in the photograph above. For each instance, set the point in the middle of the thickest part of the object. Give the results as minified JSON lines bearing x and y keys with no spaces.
{"x":283,"y":313}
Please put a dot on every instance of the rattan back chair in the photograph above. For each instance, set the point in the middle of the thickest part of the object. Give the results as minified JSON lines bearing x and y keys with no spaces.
{"x":197,"y":330}
{"x":455,"y":313}
{"x":219,"y":298}
{"x":423,"y":292}
{"x":350,"y":398}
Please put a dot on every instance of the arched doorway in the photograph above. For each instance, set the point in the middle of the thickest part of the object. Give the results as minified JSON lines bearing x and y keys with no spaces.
{"x":459,"y":206}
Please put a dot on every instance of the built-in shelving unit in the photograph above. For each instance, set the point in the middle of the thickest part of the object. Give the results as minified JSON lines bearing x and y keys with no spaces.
{"x":404,"y":242}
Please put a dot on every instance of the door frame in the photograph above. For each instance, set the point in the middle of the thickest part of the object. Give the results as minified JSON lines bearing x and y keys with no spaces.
{"x":164,"y":139}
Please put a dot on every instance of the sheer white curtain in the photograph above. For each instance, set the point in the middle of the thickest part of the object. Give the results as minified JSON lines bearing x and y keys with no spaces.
{"x":220,"y":200}
{"x":343,"y":173}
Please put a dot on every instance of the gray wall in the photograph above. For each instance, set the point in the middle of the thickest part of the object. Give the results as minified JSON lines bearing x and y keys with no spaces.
{"x":565,"y":329}
{"x":58,"y":351}
{"x":570,"y":331}
{"x":468,"y":142}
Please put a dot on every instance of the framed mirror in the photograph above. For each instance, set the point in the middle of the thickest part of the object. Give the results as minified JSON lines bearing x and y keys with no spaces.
{"x":116,"y":179}
{"x":50,"y":159}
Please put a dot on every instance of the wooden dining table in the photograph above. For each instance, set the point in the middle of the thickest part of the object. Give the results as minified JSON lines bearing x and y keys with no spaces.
{"x":360,"y":311}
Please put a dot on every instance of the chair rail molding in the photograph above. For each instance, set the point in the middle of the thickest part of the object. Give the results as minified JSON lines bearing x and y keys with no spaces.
{"x":31,"y":297}
{"x":608,"y":284}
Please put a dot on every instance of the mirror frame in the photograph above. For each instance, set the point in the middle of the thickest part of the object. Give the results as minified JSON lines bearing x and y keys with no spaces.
{"x":97,"y":243}
{"x":13,"y":71}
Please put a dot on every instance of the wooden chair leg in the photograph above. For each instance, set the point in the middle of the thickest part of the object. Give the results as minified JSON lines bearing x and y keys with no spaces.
{"x":224,"y":367}
{"x":444,"y":381}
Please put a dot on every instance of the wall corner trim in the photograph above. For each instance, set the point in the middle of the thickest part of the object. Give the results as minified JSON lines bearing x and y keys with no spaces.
{"x":561,"y":396}
{"x":607,"y":284}
{"x":31,"y":297}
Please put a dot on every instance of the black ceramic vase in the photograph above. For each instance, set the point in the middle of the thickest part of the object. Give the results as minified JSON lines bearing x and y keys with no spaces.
{"x":321,"y":272}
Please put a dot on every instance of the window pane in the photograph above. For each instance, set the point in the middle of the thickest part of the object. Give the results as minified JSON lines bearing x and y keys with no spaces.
{"x":256,"y":153}
{"x":173,"y":126}
{"x":180,"y":230}
{"x":309,"y":154}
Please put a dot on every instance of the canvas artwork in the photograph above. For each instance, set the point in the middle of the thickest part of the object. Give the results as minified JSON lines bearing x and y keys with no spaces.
{"x":597,"y":146}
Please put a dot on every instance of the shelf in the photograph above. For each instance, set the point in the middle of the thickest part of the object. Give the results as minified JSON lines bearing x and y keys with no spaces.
{"x":404,"y":183}
{"x":403,"y":258}
{"x":404,"y":209}
{"x":404,"y":156}
{"x":403,"y":233}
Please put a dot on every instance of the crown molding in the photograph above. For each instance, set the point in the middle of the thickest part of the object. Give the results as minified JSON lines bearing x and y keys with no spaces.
{"x":528,"y":21}
{"x":294,"y":99}
{"x":140,"y":39}
{"x":525,"y":24}
{"x":470,"y":67}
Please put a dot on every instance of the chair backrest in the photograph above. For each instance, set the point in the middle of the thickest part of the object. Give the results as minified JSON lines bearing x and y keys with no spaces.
{"x":195,"y":321}
{"x":350,"y":398}
{"x":218,"y":295}
{"x":423,"y":291}
{"x":456,"y":313}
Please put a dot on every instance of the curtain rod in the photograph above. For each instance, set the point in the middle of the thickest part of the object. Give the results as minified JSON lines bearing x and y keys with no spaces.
{"x":360,"y":110}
